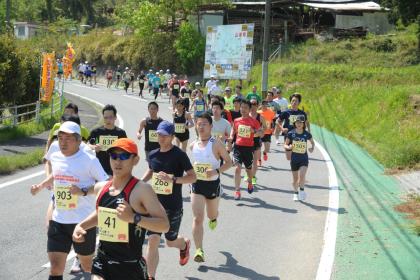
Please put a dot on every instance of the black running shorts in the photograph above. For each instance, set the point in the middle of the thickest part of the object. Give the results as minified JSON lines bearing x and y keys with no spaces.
{"x":183,"y":136}
{"x":266,"y":138}
{"x":296,"y":165}
{"x":60,"y":239}
{"x":111,"y":269}
{"x":175,"y":218}
{"x":208,"y":189}
{"x":257,"y":143}
{"x":242,"y":154}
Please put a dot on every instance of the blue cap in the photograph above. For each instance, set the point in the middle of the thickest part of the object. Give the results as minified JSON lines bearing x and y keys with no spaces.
{"x":166,"y":128}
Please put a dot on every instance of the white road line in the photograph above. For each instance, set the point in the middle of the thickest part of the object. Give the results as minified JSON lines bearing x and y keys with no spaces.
{"x":82,"y":86}
{"x":119,"y":118}
{"x":330,"y":232}
{"x":135,"y":98}
{"x":33,"y":175}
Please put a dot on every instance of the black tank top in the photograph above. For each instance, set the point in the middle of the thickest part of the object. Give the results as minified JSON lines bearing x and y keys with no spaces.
{"x":151,"y":125}
{"x":119,"y":251}
{"x":180,"y":119}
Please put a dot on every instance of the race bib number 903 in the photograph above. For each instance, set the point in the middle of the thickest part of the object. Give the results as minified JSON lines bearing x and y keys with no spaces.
{"x":64,"y":200}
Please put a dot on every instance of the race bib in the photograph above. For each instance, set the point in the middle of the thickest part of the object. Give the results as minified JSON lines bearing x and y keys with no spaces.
{"x":200,"y":107}
{"x":201,"y":169}
{"x":110,"y":227}
{"x":106,"y":141}
{"x":153,"y":136}
{"x":186,"y":95}
{"x":160,"y":186}
{"x":292,"y":119}
{"x":217,"y":135}
{"x":244,"y":131}
{"x":64,"y":200}
{"x":141,"y":81}
{"x":176,"y":86}
{"x":179,"y":127}
{"x":299,"y":147}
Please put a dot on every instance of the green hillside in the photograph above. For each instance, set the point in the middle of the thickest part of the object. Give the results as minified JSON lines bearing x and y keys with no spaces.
{"x":367,"y":90}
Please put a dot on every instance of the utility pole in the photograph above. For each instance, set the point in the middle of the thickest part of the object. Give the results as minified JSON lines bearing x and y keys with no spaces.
{"x":7,"y":15}
{"x":266,"y":44}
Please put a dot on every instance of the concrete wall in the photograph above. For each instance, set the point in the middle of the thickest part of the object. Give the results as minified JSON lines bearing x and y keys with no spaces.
{"x":375,"y":22}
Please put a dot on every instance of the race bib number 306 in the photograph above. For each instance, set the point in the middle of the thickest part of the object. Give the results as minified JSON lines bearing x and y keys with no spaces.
{"x":110,"y":227}
{"x":106,"y":141}
{"x":160,"y":186}
{"x":201,"y":170}
{"x":244,"y":131}
{"x":64,"y":200}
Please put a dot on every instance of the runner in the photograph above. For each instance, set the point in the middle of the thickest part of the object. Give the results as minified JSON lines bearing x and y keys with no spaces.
{"x":236,"y":111}
{"x":229,"y":98}
{"x":302,"y":107}
{"x":268,"y":117}
{"x":150,"y":125}
{"x":81,"y":69}
{"x":156,"y":84}
{"x":166,"y":169}
{"x":88,"y":73}
{"x":101,"y":138}
{"x":73,"y":174}
{"x":118,"y":75}
{"x":257,"y":141}
{"x":162,"y":78}
{"x":225,"y":113}
{"x":132,"y":79}
{"x":288,"y":118}
{"x":167,"y":76}
{"x":207,"y":153}
{"x":209,"y":84}
{"x":243,"y":132}
{"x":108,"y":75}
{"x":174,"y":88}
{"x":125,"y":209}
{"x":220,"y":127}
{"x":254,"y":95}
{"x":198,"y":105}
{"x":142,"y":79}
{"x":94,"y":71}
{"x":186,"y":93}
{"x":238,"y":93}
{"x":283,"y":104}
{"x":150,"y":77}
{"x":182,"y":123}
{"x":296,"y":143}
{"x":126,"y":78}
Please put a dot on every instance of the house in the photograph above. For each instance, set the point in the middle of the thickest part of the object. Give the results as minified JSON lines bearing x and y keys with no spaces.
{"x":25,"y":30}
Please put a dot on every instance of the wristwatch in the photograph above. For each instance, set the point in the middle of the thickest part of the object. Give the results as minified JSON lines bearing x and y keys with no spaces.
{"x":174,"y":179}
{"x":137,"y":218}
{"x":85,"y":191}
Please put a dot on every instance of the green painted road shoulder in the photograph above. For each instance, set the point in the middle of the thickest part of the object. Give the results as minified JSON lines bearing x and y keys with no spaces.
{"x":373,"y":240}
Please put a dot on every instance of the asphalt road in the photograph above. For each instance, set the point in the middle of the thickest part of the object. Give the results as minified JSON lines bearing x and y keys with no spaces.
{"x":265,"y":235}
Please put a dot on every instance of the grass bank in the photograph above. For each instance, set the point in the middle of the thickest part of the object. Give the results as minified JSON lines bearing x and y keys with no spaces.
{"x":12,"y":163}
{"x":371,"y":95}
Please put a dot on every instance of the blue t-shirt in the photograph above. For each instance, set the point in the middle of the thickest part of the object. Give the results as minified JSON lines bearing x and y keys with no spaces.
{"x":150,"y":77}
{"x":199,"y":107}
{"x":156,"y":81}
{"x":300,"y":145}
{"x":289,"y":116}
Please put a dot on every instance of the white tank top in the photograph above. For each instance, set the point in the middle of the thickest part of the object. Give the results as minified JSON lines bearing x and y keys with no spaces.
{"x":204,"y":157}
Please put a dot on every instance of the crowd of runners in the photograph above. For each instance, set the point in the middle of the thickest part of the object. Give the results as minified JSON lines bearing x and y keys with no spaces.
{"x":95,"y":193}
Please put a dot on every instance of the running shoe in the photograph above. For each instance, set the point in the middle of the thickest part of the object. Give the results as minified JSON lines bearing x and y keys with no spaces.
{"x":237,"y":195}
{"x":75,"y":267}
{"x":265,"y":156}
{"x":254,"y":180}
{"x":199,"y":255}
{"x":302,"y":195}
{"x":295,"y":197}
{"x":250,"y":187}
{"x":184,"y":255}
{"x":213,"y":224}
{"x":245,"y":178}
{"x":259,"y":162}
{"x":278,"y":143}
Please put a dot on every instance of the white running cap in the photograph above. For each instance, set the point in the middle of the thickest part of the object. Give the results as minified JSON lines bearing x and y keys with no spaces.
{"x":69,"y":127}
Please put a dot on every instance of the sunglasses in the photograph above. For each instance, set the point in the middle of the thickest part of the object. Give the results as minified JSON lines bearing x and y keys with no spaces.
{"x":121,"y":156}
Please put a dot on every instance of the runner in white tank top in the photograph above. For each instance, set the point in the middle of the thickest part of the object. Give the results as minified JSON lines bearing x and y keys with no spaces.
{"x":207,"y":152}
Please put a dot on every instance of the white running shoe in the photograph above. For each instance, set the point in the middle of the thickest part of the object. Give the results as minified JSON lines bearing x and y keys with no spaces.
{"x":302,"y":195}
{"x":278,"y":142}
{"x":295,"y":197}
{"x":75,"y":267}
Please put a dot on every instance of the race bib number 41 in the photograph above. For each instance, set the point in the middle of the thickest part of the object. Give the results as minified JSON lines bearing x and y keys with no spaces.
{"x":110,"y":227}
{"x":244,"y":131}
{"x":299,"y":147}
{"x":153,"y":136}
{"x":64,"y":200}
{"x":106,"y":141}
{"x":201,"y":170}
{"x":160,"y":186}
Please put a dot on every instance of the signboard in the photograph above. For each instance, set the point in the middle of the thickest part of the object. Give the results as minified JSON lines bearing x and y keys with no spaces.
{"x":229,"y":51}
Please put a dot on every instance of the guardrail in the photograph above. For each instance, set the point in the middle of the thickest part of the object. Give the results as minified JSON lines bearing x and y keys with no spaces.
{"x":10,"y":116}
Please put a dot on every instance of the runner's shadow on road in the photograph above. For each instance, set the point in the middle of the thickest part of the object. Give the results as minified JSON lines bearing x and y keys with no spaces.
{"x":232,"y":267}
{"x":259,"y":203}
{"x":317,"y":187}
{"x":80,"y":276}
{"x":322,"y":208}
